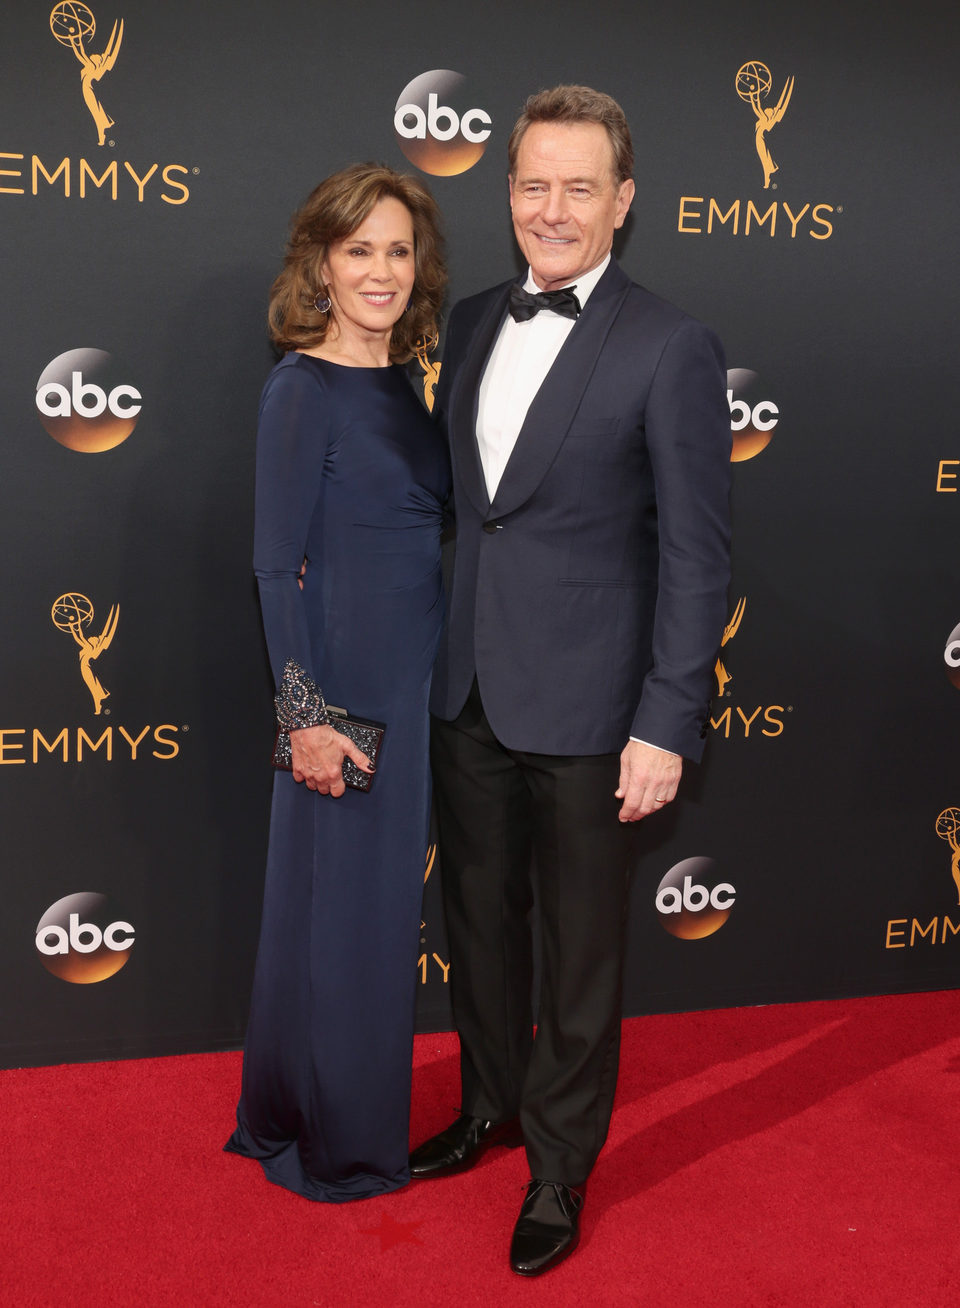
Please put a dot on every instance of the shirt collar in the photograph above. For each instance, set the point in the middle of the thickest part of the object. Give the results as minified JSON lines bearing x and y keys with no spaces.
{"x":584,"y":284}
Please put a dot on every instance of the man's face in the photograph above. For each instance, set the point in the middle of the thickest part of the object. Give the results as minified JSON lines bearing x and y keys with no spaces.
{"x":565,"y":200}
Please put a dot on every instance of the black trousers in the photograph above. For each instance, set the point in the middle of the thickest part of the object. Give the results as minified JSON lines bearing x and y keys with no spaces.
{"x":496,"y":808}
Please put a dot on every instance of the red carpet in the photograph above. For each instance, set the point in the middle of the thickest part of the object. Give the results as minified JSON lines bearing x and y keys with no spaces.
{"x":802,"y":1154}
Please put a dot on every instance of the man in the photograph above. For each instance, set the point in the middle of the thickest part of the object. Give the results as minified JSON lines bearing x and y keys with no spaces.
{"x":590,"y":438}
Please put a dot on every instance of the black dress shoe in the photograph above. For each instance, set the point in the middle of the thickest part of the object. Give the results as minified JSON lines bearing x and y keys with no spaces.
{"x":461,"y":1145}
{"x":548,"y":1228}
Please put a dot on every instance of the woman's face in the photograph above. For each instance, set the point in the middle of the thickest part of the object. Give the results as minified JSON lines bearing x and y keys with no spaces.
{"x":369,"y":275}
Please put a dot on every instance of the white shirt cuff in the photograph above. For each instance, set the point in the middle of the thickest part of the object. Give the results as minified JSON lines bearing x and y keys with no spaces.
{"x":652,"y":746}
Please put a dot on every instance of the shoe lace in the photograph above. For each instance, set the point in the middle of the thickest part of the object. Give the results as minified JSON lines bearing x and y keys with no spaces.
{"x":569,"y":1199}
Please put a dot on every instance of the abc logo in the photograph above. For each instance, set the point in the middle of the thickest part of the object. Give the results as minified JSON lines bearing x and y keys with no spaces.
{"x":84,"y":402}
{"x":431,"y":132}
{"x":951,"y":656}
{"x":78,"y":939}
{"x":752,"y":419}
{"x":691,"y":902}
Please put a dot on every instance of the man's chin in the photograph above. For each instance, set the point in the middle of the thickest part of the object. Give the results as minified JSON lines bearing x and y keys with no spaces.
{"x":556,"y":270}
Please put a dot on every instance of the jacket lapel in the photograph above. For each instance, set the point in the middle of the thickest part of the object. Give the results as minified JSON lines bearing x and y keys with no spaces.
{"x":466,"y":399}
{"x":555,"y":403}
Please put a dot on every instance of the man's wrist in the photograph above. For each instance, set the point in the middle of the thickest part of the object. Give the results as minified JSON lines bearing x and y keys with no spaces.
{"x":651,"y":745}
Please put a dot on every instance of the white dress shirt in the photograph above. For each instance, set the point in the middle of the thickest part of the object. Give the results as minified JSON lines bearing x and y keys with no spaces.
{"x":522,"y":356}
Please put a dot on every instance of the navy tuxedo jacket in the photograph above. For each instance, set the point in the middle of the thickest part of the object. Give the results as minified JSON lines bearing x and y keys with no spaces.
{"x":590,"y":596}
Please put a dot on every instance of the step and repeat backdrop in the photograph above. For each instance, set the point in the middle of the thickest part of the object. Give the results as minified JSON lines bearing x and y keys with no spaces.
{"x":794,"y":190}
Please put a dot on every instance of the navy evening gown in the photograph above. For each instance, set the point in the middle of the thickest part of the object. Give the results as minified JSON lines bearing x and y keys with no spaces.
{"x":351,"y":475}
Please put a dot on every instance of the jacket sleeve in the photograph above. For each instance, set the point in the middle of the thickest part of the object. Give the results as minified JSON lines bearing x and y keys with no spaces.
{"x":687,"y":425}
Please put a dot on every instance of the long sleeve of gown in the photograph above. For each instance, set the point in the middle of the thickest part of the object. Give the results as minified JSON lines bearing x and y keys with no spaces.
{"x":292,"y":443}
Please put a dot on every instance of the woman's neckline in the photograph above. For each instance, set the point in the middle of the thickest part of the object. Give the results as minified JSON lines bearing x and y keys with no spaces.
{"x":353,"y":367}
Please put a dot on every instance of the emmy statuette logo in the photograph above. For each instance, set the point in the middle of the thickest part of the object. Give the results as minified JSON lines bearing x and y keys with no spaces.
{"x":425,"y":960}
{"x":730,"y":630}
{"x":74,"y":25}
{"x":72,"y":613}
{"x":948,"y":829}
{"x":431,"y":859}
{"x":101,"y":179}
{"x":108,"y":741}
{"x":916,"y":932}
{"x":739,"y":720}
{"x":739,"y":215}
{"x":430,"y":370}
{"x":77,"y":940}
{"x":754,"y":83}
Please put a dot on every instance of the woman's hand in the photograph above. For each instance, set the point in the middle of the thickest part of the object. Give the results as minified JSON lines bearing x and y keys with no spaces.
{"x":318,"y":754}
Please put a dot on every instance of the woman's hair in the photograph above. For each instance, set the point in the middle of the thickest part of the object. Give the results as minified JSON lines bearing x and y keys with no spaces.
{"x":333,"y":212}
{"x":576,"y":104}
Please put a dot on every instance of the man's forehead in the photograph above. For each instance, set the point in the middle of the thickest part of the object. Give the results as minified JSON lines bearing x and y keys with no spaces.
{"x":573,"y":149}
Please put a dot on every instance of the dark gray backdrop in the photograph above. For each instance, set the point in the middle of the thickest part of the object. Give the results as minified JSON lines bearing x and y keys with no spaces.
{"x":822,"y":815}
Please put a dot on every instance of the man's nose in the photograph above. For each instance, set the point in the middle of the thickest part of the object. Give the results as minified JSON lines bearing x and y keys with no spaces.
{"x":555,"y":206}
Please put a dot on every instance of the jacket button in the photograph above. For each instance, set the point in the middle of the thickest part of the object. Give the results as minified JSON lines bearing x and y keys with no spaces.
{"x":491,"y":527}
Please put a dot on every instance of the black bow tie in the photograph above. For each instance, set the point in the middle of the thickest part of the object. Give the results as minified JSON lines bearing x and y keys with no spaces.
{"x":523,"y":305}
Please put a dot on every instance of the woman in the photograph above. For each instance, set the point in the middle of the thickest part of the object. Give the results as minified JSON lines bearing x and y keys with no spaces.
{"x":351,"y":479}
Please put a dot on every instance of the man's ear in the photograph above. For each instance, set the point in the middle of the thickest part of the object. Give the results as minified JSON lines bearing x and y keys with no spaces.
{"x":625,"y":196}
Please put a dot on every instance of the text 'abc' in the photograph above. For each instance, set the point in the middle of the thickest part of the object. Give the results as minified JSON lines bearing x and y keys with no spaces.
{"x":441,"y":122}
{"x":87,"y":399}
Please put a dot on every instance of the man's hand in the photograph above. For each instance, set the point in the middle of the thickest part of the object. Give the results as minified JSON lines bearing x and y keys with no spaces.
{"x":648,"y":780}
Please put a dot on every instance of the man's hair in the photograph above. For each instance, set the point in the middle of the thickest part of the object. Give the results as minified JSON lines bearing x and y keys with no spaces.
{"x":576,"y":104}
{"x":333,"y":212}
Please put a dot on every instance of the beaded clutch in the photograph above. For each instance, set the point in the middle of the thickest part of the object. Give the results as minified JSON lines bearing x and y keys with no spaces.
{"x":365,"y":734}
{"x":300,"y":703}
